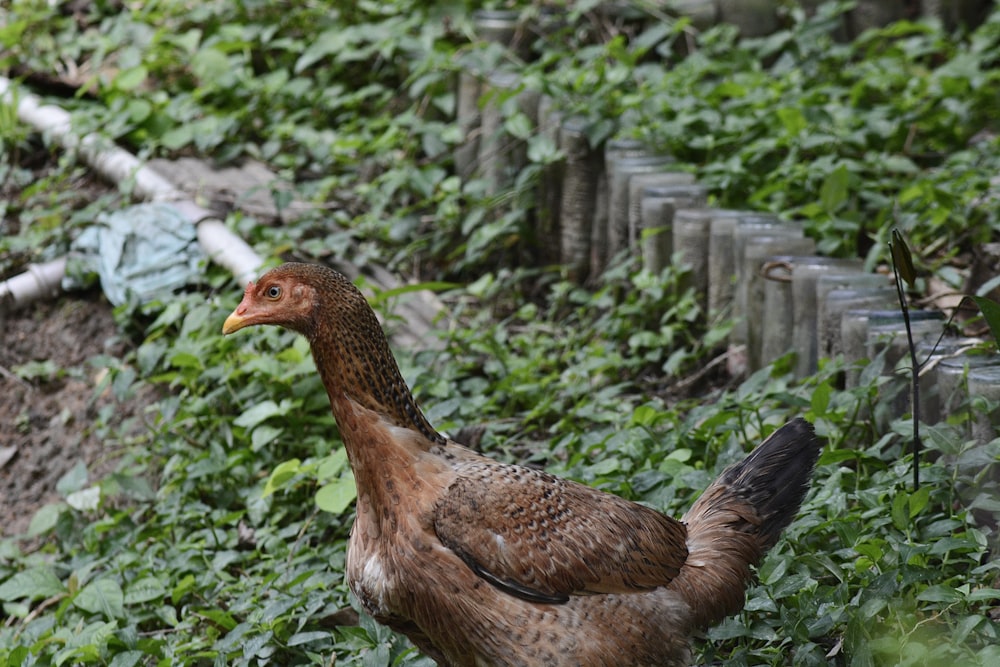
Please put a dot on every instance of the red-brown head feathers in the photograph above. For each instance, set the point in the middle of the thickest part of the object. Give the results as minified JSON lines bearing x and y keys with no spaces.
{"x":281,"y":297}
{"x":350,"y":349}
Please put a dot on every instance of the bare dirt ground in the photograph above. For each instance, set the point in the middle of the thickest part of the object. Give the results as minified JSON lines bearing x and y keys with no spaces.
{"x":50,"y":401}
{"x":51,"y":396}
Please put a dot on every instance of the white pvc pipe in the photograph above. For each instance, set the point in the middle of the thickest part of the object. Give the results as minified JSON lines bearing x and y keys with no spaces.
{"x":117,"y":165}
{"x":220,"y":244}
{"x":40,"y":280}
{"x":112,"y":162}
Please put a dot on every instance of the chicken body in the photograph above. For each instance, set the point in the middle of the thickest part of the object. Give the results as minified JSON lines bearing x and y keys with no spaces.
{"x":403,"y":571}
{"x":484,"y":563}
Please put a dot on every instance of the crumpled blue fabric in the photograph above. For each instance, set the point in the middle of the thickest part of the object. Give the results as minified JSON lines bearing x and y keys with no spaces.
{"x":145,"y":252}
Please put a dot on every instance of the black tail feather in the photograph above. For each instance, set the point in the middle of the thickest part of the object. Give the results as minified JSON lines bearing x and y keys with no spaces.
{"x":775,"y":477}
{"x":739,"y":518}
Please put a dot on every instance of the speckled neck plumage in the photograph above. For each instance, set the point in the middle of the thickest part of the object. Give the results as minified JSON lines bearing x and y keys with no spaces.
{"x":353,"y":357}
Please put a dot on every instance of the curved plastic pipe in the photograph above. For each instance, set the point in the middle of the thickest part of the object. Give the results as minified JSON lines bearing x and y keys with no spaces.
{"x":117,"y":165}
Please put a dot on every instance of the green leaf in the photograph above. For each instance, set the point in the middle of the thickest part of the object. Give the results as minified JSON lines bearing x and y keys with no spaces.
{"x":606,"y":466}
{"x":87,"y":643}
{"x":260,"y":412}
{"x":966,"y":625}
{"x":939,"y":593}
{"x":651,"y":36}
{"x":186,"y":360}
{"x":130,"y":79}
{"x":85,"y":500}
{"x":183,"y":587}
{"x":210,"y":64}
{"x":898,"y":163}
{"x":325,"y":44}
{"x":774,"y":570}
{"x":902,"y":259}
{"x":981,"y":594}
{"x":833,"y":192}
{"x":138,"y":110}
{"x":430,"y":286}
{"x":11,"y":31}
{"x":871,"y":608}
{"x":792,"y":119}
{"x":542,"y":150}
{"x":820,"y":399}
{"x":264,"y":435}
{"x":45,"y":519}
{"x":332,"y":465}
{"x":790,"y":584}
{"x":33,"y":584}
{"x":645,"y":415}
{"x":984,"y":289}
{"x":870,"y":550}
{"x":300,"y":638}
{"x":220,"y":617}
{"x":280,"y":476}
{"x":146,"y":589}
{"x":18,"y":656}
{"x":682,"y":455}
{"x":899,"y":513}
{"x":991,"y":313}
{"x":127,"y":659}
{"x":336,"y":496}
{"x":177,"y":137}
{"x":102,"y":596}
{"x":188,"y":41}
{"x":37,"y":370}
{"x":918,"y":500}
{"x":520,"y":126}
{"x":73,"y":479}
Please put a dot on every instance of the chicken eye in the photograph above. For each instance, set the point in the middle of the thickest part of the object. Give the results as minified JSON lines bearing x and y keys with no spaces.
{"x":272,"y":292}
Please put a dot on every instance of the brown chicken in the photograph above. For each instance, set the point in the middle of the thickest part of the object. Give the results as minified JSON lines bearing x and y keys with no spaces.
{"x":484,"y":563}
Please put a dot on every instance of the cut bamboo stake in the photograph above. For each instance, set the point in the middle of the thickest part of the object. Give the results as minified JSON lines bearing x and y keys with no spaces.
{"x":118,"y":166}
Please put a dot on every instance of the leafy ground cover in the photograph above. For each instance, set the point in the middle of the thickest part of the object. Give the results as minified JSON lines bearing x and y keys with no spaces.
{"x":219,"y":536}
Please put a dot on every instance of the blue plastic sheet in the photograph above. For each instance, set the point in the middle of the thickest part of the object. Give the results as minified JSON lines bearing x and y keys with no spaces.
{"x":145,"y":252}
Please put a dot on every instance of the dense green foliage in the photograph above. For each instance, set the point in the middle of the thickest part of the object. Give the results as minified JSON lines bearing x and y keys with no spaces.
{"x":195,"y":553}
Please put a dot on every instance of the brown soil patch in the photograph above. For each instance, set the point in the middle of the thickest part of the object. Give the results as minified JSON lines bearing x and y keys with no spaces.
{"x":51,"y":403}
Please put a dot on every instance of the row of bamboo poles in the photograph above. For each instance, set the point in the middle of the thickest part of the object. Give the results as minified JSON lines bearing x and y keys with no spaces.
{"x":623,"y":197}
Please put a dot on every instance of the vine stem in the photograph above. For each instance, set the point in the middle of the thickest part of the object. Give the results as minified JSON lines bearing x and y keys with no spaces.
{"x":914,"y":373}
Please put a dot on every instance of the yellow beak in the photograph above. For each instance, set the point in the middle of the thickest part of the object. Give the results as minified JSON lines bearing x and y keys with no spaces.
{"x":239,"y":318}
{"x":233,"y":323}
